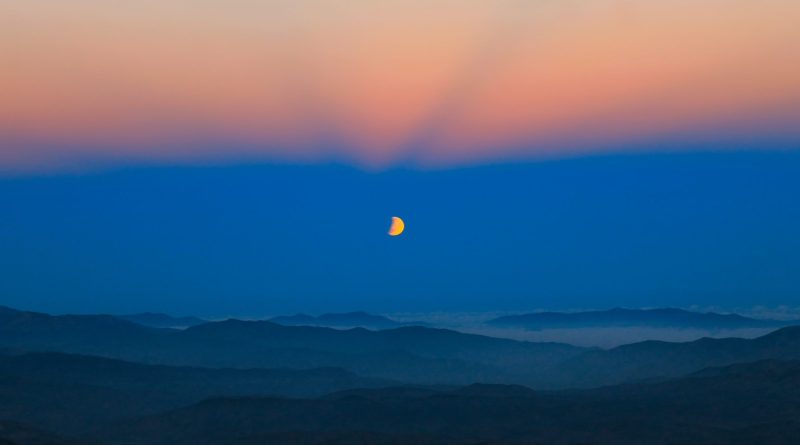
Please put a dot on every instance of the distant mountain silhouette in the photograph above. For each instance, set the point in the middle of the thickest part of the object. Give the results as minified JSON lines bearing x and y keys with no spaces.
{"x":409,"y":354}
{"x":156,"y":320}
{"x":738,"y":405}
{"x":83,"y":334}
{"x":658,"y":318}
{"x":656,"y":359}
{"x":63,"y":392}
{"x":341,"y":320}
{"x":417,"y":355}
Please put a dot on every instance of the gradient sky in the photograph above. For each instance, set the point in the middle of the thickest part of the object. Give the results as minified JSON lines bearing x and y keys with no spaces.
{"x":90,"y":83}
{"x":244,"y":157}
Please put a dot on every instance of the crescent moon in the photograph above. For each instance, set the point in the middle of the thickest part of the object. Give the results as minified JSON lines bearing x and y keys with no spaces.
{"x":397,"y":226}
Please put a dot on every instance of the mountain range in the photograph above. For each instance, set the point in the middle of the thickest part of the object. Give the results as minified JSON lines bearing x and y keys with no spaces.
{"x":158,"y":320}
{"x":53,"y":399}
{"x":68,"y":393}
{"x":409,"y":354}
{"x":657,"y":359}
{"x":741,"y":404}
{"x":341,"y":320}
{"x":618,"y":317}
{"x":417,"y":355}
{"x":99,"y":379}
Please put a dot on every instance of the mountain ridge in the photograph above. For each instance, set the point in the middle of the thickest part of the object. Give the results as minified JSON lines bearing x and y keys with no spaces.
{"x":620,"y":317}
{"x":65,"y":391}
{"x":747,"y":409}
{"x":410,"y":354}
{"x":160,"y":320}
{"x":341,"y":319}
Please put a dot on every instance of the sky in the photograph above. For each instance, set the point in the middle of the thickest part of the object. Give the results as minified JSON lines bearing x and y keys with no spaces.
{"x":89,"y":83}
{"x":244,"y":157}
{"x":706,"y":229}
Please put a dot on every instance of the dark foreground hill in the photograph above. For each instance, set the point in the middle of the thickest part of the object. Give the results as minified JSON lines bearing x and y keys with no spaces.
{"x":70,"y":392}
{"x":651,"y":318}
{"x":742,"y":404}
{"x":14,"y":433}
{"x":409,"y":354}
{"x":195,"y":382}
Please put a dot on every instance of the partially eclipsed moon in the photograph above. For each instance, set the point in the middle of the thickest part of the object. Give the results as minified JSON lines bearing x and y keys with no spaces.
{"x":397,"y":226}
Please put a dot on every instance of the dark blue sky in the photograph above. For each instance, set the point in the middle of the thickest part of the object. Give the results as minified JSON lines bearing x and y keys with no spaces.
{"x":719,"y":229}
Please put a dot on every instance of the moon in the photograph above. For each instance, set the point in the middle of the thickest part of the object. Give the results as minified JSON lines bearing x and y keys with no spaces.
{"x":397,"y":226}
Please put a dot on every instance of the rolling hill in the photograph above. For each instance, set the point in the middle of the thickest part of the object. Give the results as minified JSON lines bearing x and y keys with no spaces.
{"x":655,"y":359}
{"x":618,"y":317}
{"x":743,"y":404}
{"x":66,"y":392}
{"x":418,"y":355}
{"x":410,"y":354}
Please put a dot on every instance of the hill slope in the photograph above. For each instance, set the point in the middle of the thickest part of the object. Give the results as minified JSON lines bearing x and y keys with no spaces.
{"x":744,"y":404}
{"x":71,"y":392}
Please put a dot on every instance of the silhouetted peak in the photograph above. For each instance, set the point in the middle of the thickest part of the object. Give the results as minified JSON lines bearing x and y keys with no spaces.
{"x":161,"y":320}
